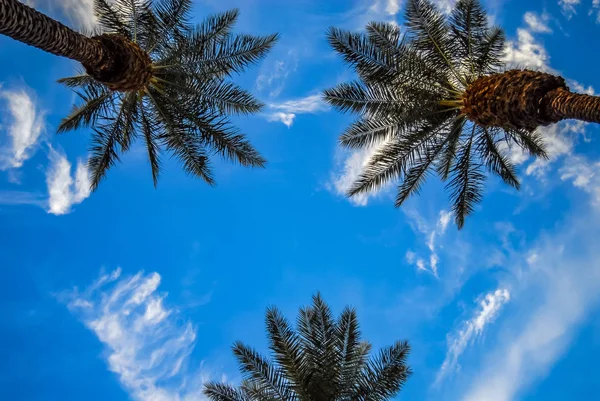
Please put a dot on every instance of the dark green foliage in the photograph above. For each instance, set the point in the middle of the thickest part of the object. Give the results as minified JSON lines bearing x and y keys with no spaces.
{"x":324,"y":360}
{"x":408,"y":96}
{"x":184,"y":109}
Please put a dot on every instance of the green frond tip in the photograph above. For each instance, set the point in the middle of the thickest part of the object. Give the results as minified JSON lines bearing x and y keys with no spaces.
{"x":185,"y":110}
{"x":324,"y":358}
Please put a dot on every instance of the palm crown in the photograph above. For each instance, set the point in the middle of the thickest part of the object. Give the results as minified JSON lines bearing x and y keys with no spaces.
{"x":411,"y":96}
{"x":183,"y":107}
{"x":325,"y":360}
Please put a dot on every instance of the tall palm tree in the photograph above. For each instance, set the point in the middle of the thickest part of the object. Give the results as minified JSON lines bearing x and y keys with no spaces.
{"x":151,"y":73}
{"x":436,"y":98}
{"x":324,"y":360}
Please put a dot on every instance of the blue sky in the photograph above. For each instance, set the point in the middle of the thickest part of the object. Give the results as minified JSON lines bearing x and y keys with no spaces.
{"x":136,"y":293}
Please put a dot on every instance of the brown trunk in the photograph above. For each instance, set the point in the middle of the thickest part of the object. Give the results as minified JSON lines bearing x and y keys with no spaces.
{"x":561,"y":104}
{"x":111,"y":59}
{"x":516,"y":99}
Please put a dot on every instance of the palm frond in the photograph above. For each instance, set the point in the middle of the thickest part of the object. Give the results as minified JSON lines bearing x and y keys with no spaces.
{"x":110,"y":20}
{"x":287,"y":352}
{"x":430,"y":35}
{"x":466,"y":185}
{"x":385,"y":375}
{"x":468,"y":28}
{"x":270,"y":382}
{"x":96,"y":103}
{"x":149,"y":129}
{"x":223,"y":392}
{"x":394,"y":159}
{"x":448,"y":155}
{"x":376,"y":100}
{"x":369,"y":61}
{"x":496,"y":160}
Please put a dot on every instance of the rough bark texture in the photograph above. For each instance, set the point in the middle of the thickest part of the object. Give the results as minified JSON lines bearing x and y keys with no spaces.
{"x":29,"y":26}
{"x":560,"y":104}
{"x":513,"y":99}
{"x":125,"y":67}
{"x":113,"y":60}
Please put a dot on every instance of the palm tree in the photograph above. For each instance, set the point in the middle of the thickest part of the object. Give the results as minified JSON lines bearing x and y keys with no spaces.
{"x":325,"y":360}
{"x":151,"y":73}
{"x":436,"y":98}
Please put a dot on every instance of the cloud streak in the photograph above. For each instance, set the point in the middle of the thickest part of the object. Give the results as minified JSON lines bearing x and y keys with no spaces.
{"x":489,"y":307}
{"x":24,"y":123}
{"x":146,"y":343}
{"x":64,"y":191}
{"x":286,"y":112}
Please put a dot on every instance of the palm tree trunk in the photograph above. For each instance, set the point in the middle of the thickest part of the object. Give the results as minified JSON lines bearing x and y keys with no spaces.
{"x":111,"y":59}
{"x":29,"y":26}
{"x":515,"y":99}
{"x":561,"y":104}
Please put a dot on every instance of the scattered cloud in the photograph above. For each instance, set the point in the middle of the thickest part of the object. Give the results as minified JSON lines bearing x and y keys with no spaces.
{"x":273,"y":75}
{"x":445,"y":6}
{"x":349,"y":166}
{"x":64,"y":191}
{"x":526,"y":52}
{"x":489,"y":307}
{"x":286,"y":112}
{"x":569,"y":7}
{"x":551,"y":300}
{"x":537,"y":23}
{"x":595,"y":10}
{"x":147,"y":344}
{"x":15,"y":198}
{"x":584,"y":175}
{"x":24,"y":123}
{"x":430,"y":233}
{"x":79,"y":12}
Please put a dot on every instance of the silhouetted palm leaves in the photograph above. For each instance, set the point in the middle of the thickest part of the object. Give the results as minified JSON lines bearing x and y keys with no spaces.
{"x":323,"y":360}
{"x":410,"y":97}
{"x":184,"y":108}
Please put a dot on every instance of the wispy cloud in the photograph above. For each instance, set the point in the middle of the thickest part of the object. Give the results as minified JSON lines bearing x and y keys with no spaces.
{"x":525,"y":51}
{"x":349,"y":166}
{"x":430,"y":233}
{"x":79,"y":12}
{"x":584,"y":175}
{"x":488,"y":308}
{"x":64,"y":191}
{"x":564,"y":280}
{"x":537,"y":23}
{"x":24,"y":123}
{"x":147,"y":344}
{"x":286,"y":111}
{"x":15,"y":198}
{"x":273,"y":75}
{"x":569,"y":7}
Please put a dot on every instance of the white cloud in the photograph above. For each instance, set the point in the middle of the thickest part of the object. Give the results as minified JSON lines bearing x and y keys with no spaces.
{"x":348,"y":171}
{"x":596,"y":9}
{"x":24,"y":123}
{"x":584,"y":175}
{"x":147,"y":344}
{"x":430,"y":232}
{"x":559,"y":141}
{"x":14,"y":198}
{"x":273,"y":76}
{"x":285,"y":118}
{"x":63,"y":190}
{"x":469,"y":330}
{"x":537,"y":23}
{"x":526,"y":52}
{"x":79,"y":12}
{"x":445,"y":6}
{"x":287,"y":111}
{"x":551,"y":300}
{"x":568,"y":7}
